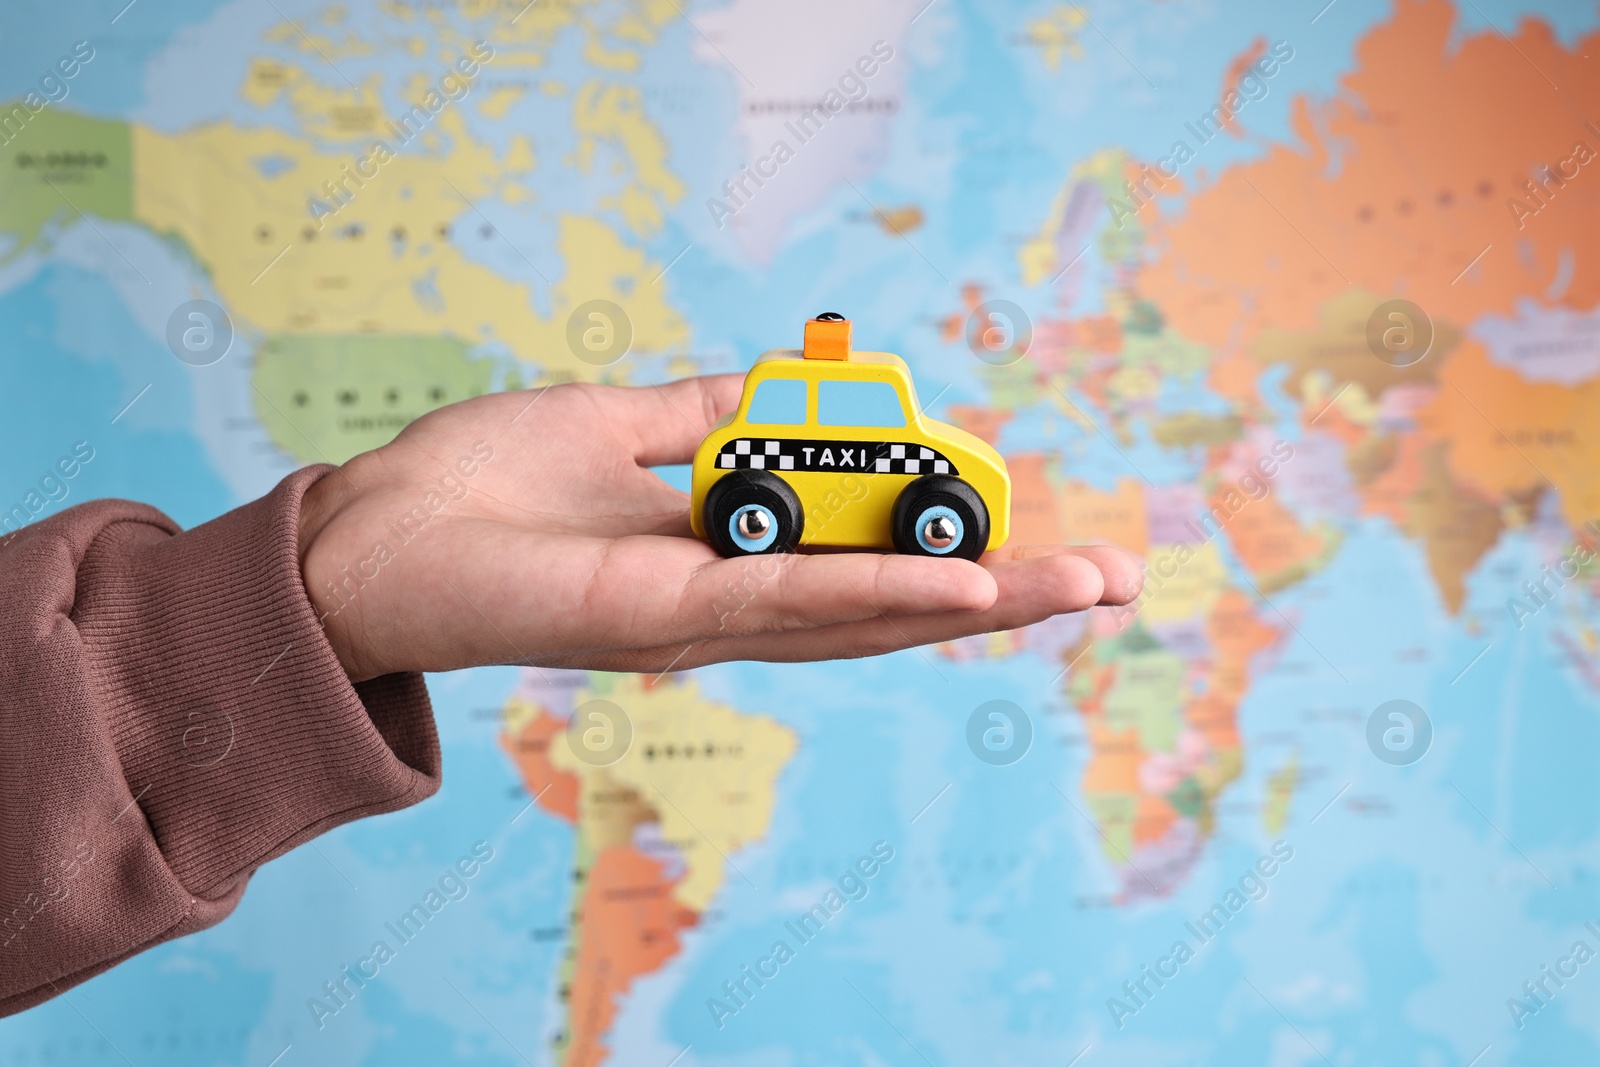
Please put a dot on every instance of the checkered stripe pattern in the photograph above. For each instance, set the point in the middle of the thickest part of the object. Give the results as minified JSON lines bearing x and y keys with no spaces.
{"x":864,"y":457}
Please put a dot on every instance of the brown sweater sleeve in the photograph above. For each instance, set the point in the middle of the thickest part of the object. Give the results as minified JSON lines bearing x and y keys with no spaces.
{"x":171,"y":718}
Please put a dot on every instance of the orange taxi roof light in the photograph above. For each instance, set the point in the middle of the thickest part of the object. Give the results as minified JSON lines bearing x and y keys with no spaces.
{"x":827,"y":337}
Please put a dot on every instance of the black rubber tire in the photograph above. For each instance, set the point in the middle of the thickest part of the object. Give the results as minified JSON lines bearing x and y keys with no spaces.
{"x":933,"y":490}
{"x":733,"y":491}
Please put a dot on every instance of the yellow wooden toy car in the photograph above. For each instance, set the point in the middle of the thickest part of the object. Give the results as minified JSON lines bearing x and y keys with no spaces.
{"x":830,"y":447}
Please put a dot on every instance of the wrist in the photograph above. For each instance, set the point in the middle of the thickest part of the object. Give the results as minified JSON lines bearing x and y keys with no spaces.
{"x":322,"y":502}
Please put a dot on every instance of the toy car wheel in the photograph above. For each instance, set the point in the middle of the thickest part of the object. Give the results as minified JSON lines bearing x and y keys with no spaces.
{"x":748,"y":513}
{"x":938,"y":515}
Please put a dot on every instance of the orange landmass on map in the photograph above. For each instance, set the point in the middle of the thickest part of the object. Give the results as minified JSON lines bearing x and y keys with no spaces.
{"x":1098,"y":333}
{"x":1033,"y":501}
{"x":1116,"y":754}
{"x":1236,"y":634}
{"x":1153,"y":818}
{"x":1269,"y":540}
{"x":557,"y":791}
{"x":629,"y":926}
{"x":980,"y":421}
{"x":1113,"y":768}
{"x":1507,"y":435}
{"x":953,"y":327}
{"x":1088,"y":516}
{"x":1337,"y":351}
{"x":1043,"y":513}
{"x":1230,"y":80}
{"x":1095,"y":383}
{"x":1387,"y":471}
{"x":1334,"y":422}
{"x":626,"y":922}
{"x":1455,"y":524}
{"x":1398,"y":186}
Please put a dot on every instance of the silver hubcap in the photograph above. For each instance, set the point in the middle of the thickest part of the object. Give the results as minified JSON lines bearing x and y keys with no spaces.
{"x":753,"y":524}
{"x":939,"y":533}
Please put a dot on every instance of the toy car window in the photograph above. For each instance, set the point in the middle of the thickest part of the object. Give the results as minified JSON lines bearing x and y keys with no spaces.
{"x":778,"y":402}
{"x":859,"y":404}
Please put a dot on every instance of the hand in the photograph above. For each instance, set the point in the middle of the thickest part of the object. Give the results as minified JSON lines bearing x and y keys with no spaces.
{"x":527,"y":528}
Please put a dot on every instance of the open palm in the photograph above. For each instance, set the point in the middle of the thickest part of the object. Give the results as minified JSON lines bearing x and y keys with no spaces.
{"x":528,"y":528}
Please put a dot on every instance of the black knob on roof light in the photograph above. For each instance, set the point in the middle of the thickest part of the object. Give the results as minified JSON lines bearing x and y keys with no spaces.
{"x":830,"y":316}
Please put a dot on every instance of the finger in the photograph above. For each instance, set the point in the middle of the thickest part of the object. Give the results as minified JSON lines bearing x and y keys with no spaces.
{"x":669,"y":514}
{"x":599,"y":594}
{"x":646,"y":591}
{"x":788,"y":592}
{"x":1122,"y":575}
{"x":636,"y":501}
{"x":664,"y":424}
{"x":1029,"y":592}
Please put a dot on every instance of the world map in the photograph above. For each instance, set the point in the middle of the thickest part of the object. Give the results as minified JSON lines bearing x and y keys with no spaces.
{"x":1299,"y":303}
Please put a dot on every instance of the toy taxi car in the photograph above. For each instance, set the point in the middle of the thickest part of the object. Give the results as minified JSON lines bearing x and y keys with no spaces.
{"x":829,"y":447}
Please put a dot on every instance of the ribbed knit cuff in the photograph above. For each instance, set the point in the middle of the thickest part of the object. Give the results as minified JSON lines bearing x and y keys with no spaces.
{"x":239,"y":733}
